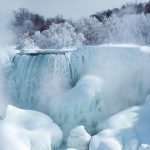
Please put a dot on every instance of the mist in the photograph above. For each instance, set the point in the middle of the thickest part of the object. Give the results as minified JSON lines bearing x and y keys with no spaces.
{"x":6,"y":35}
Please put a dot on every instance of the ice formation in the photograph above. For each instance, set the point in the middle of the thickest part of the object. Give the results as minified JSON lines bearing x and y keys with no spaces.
{"x":127,"y":130}
{"x":26,"y":129}
{"x":80,"y":105}
{"x":79,"y":138}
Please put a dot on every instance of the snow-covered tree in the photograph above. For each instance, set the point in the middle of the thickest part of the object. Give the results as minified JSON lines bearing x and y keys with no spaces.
{"x":25,"y":42}
{"x":130,"y":29}
{"x":58,"y":36}
{"x":123,"y":29}
{"x":89,"y":27}
{"x":143,"y":29}
{"x":94,"y":31}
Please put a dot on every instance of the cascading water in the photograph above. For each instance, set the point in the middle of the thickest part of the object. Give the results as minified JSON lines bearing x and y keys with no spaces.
{"x":36,"y":78}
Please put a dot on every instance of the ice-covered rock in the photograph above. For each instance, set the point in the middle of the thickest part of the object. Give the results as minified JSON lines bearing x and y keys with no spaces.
{"x":26,"y":129}
{"x":79,"y":138}
{"x":80,"y":105}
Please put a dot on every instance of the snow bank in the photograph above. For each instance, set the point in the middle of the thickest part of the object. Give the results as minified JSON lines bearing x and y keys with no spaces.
{"x":127,"y":130}
{"x":46,"y":51}
{"x":26,"y":129}
{"x":79,"y":106}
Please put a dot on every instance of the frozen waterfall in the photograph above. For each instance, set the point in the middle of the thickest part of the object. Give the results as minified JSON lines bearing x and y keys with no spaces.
{"x":81,"y":87}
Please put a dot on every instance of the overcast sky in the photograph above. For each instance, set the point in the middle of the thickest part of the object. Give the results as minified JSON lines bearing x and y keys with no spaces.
{"x":68,"y":8}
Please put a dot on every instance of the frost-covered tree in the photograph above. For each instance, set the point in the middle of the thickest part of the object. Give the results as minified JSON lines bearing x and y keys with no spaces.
{"x":130,"y":29}
{"x":25,"y":42}
{"x":25,"y":21}
{"x":22,"y":22}
{"x":143,"y":29}
{"x":123,"y":29}
{"x":57,"y":20}
{"x":93,"y":30}
{"x":58,"y":36}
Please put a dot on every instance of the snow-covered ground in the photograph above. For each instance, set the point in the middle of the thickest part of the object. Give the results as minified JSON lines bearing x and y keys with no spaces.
{"x":79,"y":89}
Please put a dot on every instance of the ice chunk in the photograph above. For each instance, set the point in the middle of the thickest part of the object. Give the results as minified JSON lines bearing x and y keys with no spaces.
{"x":26,"y":129}
{"x":79,"y":138}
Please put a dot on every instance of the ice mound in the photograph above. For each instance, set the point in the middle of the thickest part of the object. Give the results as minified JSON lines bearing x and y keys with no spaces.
{"x":79,"y":106}
{"x":26,"y":129}
{"x":79,"y":138}
{"x":127,"y":130}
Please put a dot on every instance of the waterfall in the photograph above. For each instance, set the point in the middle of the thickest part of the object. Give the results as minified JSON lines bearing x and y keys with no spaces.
{"x":36,"y":78}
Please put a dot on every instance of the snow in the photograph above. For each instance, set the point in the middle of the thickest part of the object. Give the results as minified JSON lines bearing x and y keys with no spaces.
{"x":128,"y":129}
{"x":79,"y":138}
{"x":25,"y":128}
{"x":47,"y":51}
{"x":71,"y":49}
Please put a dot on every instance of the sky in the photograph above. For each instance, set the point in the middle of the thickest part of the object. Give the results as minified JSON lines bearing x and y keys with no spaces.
{"x":68,"y":8}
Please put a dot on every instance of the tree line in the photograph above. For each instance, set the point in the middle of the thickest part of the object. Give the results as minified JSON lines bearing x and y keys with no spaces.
{"x":128,"y":24}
